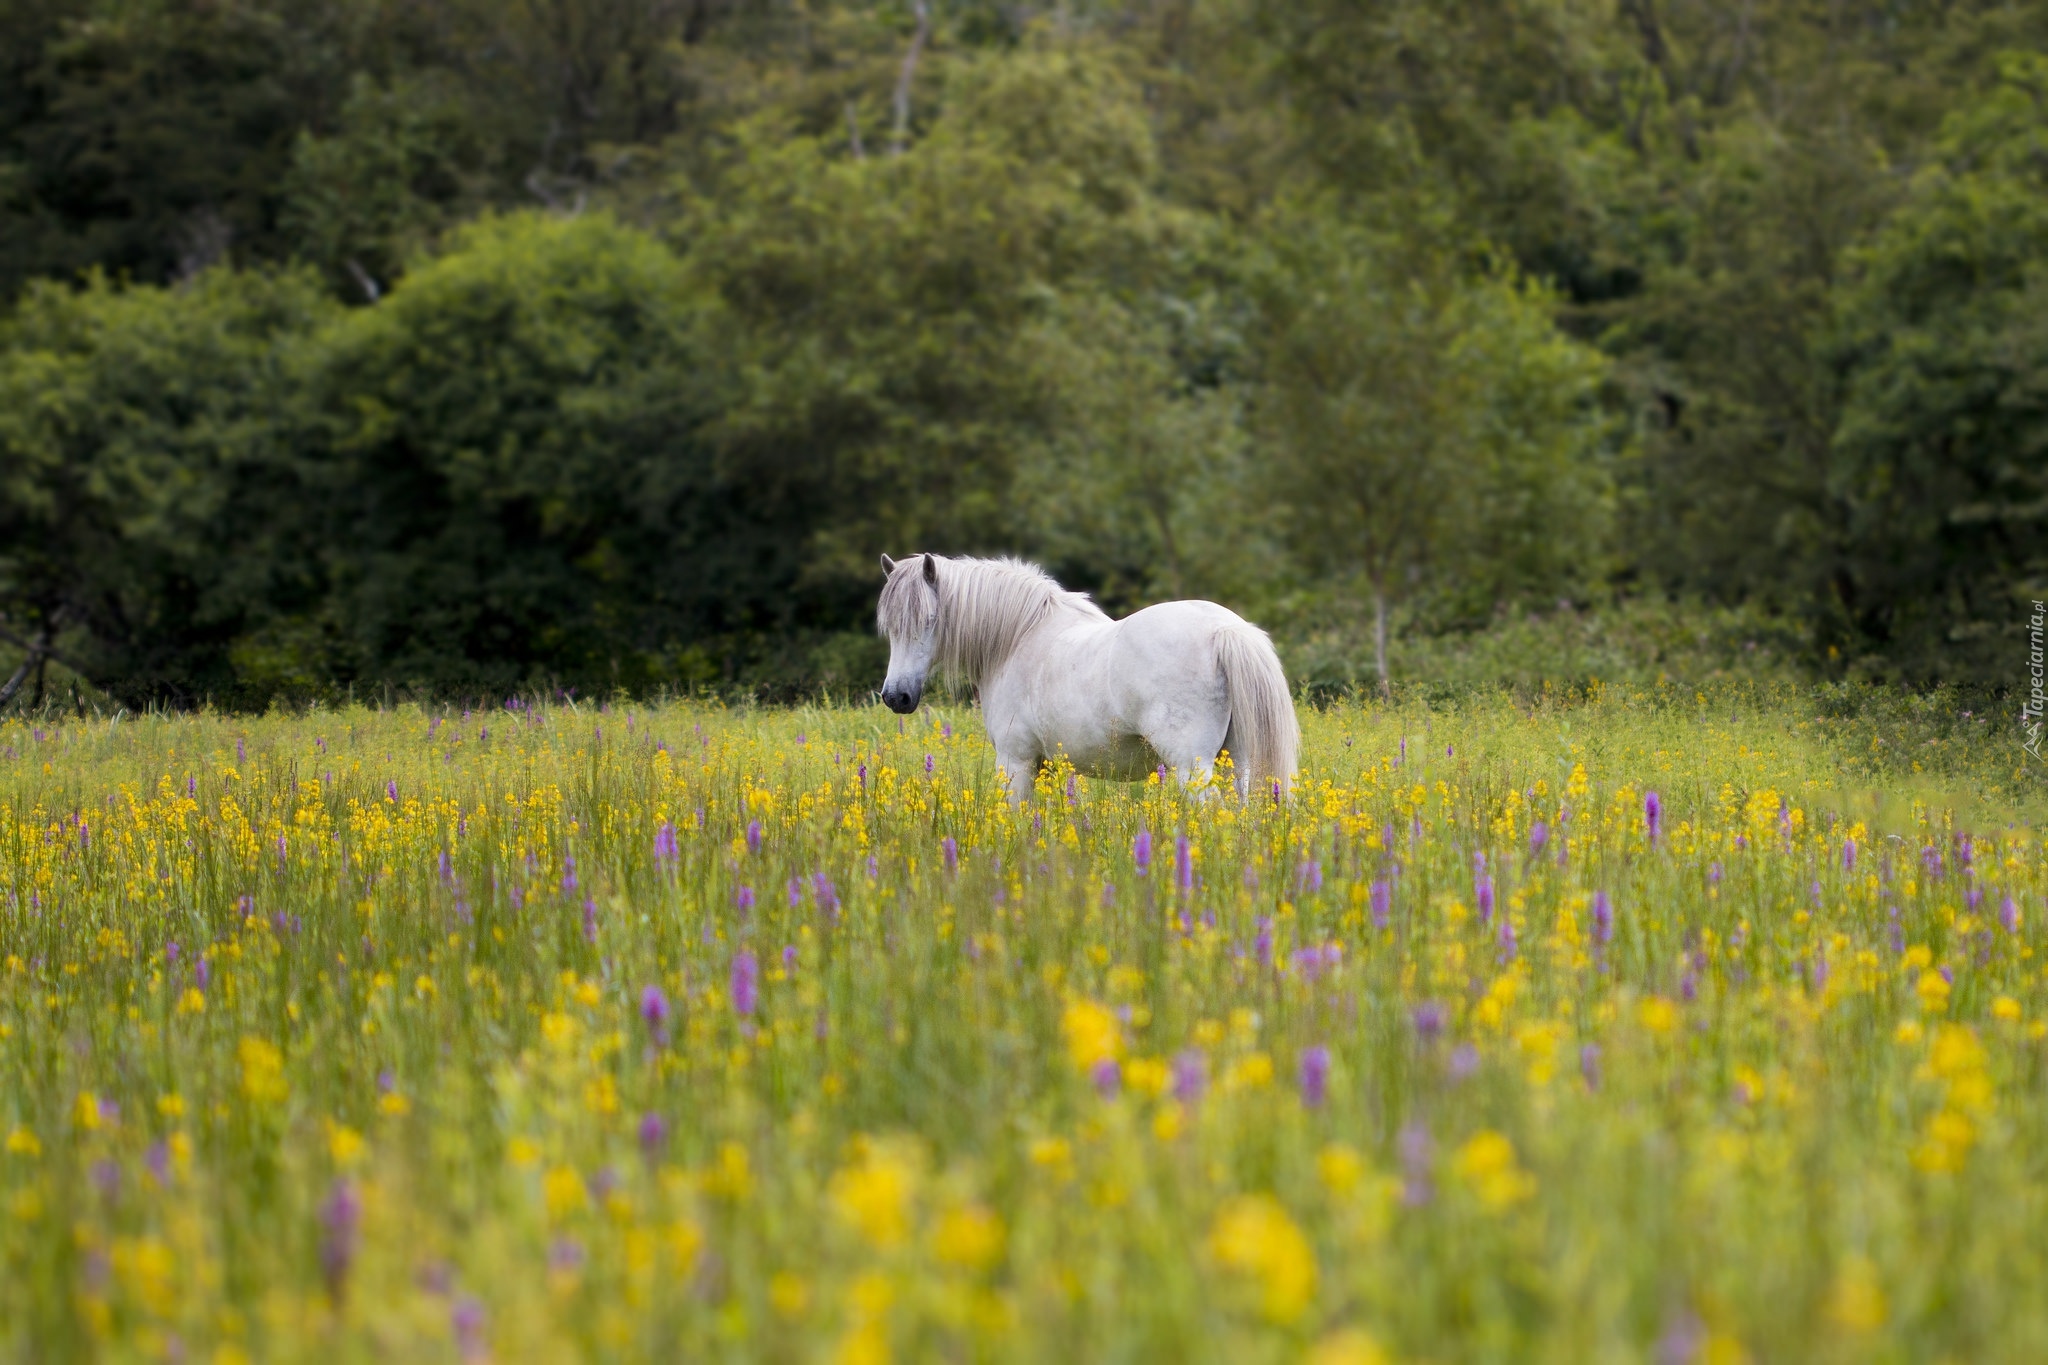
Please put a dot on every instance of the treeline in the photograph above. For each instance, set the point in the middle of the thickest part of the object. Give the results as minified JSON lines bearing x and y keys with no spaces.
{"x":603,"y":343}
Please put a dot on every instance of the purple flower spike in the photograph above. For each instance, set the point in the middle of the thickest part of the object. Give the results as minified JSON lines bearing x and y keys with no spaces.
{"x":1589,"y":1065}
{"x":1141,"y":852}
{"x":1464,"y":1061}
{"x":1183,"y":863}
{"x":2009,"y":915}
{"x":753,"y":836}
{"x":1315,"y":1076}
{"x":951,"y":848}
{"x":1106,"y":1077}
{"x":1603,"y":919}
{"x":1539,"y":835}
{"x":746,"y":983}
{"x":1262,"y":945}
{"x":1653,"y":814}
{"x":654,"y":1008}
{"x":203,"y":973}
{"x":1382,"y":904}
{"x":340,"y":1216}
{"x":468,"y":1320}
{"x":1430,"y":1017}
{"x":1416,"y":1188}
{"x":1849,"y":855}
{"x":1309,"y":876}
{"x":653,"y":1133}
{"x":789,"y":958}
{"x":1190,"y":1076}
{"x":744,"y":898}
{"x":1486,"y":900}
{"x":665,"y":843}
{"x":568,"y":874}
{"x":590,"y":921}
{"x":1506,"y":939}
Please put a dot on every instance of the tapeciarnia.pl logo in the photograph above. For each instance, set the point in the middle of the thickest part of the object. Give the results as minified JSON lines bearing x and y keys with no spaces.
{"x":2037,"y":669}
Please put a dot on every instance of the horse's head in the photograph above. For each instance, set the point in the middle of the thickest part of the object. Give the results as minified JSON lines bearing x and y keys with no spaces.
{"x":909,"y":616}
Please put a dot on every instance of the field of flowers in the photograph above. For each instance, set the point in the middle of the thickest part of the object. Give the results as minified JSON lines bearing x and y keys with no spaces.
{"x":1620,"y":1028}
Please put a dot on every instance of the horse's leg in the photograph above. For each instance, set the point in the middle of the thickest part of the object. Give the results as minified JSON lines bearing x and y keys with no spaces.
{"x":1190,"y":741}
{"x":1020,"y":772}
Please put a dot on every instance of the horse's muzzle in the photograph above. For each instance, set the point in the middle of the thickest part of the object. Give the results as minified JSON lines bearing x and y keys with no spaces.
{"x":901,"y":700}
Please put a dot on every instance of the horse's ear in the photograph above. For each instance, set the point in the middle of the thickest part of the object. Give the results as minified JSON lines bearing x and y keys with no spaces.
{"x":931,"y":570}
{"x":888,"y":566}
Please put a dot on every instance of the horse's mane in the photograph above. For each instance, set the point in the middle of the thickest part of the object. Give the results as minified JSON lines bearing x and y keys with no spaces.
{"x":984,"y":607}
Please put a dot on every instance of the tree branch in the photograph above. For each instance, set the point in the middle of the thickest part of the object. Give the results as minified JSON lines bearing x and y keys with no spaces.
{"x":899,"y":136}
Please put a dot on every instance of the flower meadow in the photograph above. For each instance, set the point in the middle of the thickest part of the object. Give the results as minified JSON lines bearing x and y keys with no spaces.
{"x":1614,"y":1027}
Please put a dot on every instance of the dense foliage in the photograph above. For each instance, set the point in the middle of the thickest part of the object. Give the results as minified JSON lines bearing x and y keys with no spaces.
{"x":460,"y":346}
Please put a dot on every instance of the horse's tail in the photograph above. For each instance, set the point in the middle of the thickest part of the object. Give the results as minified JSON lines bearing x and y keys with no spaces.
{"x":1263,"y":735}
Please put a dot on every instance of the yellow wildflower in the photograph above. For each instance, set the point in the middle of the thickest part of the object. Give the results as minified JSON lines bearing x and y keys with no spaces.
{"x":1487,"y":1166}
{"x":1254,"y":1236}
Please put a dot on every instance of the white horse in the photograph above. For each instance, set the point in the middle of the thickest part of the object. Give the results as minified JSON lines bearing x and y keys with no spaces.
{"x":1174,"y":684}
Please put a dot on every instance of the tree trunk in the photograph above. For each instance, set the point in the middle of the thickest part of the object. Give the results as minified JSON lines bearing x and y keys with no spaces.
{"x":899,"y":136}
{"x":1379,"y":636}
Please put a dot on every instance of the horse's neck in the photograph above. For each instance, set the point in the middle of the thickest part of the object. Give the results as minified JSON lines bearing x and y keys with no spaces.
{"x":991,"y":620}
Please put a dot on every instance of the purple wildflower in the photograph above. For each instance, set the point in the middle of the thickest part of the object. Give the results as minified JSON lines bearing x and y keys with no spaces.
{"x":1464,"y":1061}
{"x":1603,"y":919}
{"x":928,"y":763}
{"x":753,"y":836}
{"x":1315,"y":1076}
{"x":665,"y":843}
{"x":1416,"y":1189}
{"x":589,"y":921}
{"x":568,"y":874}
{"x":1589,"y":1065}
{"x":1106,"y":1077}
{"x":467,"y":1321}
{"x":1429,"y":1018}
{"x":1262,"y":945}
{"x":654,"y":1008}
{"x":951,"y":848}
{"x":1848,"y":855}
{"x":391,"y":790}
{"x":746,"y":978}
{"x":1485,"y":900}
{"x":1382,"y":903}
{"x":340,"y":1217}
{"x":1539,"y":835}
{"x":2009,"y":915}
{"x":653,"y":1133}
{"x":1506,"y":938}
{"x":1190,"y":1075}
{"x":1653,"y":814}
{"x":789,"y":958}
{"x":202,"y":973}
{"x":743,"y":898}
{"x":1141,"y":852}
{"x":1183,"y":863}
